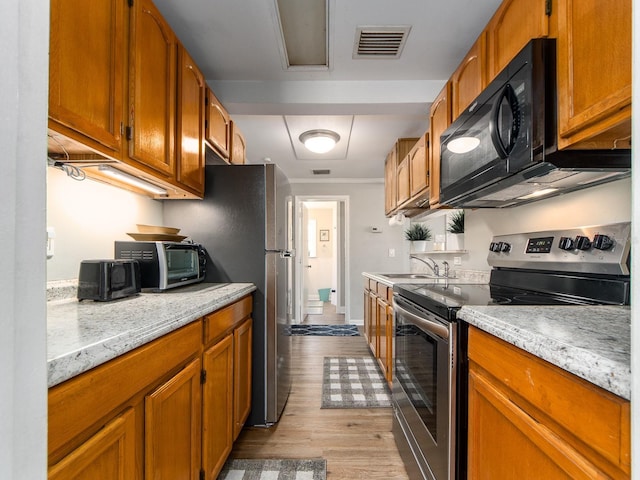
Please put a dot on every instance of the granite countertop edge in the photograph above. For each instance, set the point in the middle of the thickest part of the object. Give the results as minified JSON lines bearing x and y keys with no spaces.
{"x":83,"y":335}
{"x":572,"y":343}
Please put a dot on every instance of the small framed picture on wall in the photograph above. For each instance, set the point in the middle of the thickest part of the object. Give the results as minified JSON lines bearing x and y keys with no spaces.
{"x":324,"y":235}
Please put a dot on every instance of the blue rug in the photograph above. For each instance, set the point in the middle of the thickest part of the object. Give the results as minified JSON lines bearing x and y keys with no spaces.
{"x":326,"y":330}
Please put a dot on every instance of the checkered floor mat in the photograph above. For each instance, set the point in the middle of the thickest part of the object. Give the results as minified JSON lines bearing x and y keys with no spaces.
{"x":239,"y":469}
{"x":353,"y":383}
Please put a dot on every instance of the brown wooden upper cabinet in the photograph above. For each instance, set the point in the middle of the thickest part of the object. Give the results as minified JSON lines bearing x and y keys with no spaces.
{"x":510,"y":29}
{"x":218,"y":131}
{"x":470,"y":78}
{"x":440,"y":119}
{"x":95,"y":114}
{"x":191,"y":116}
{"x":594,"y":74}
{"x":419,"y":158}
{"x":152,"y":89}
{"x":397,"y":175}
{"x":413,"y":177}
{"x":144,"y":112}
{"x":390,"y":198}
{"x":403,"y":181}
{"x":238,"y":145}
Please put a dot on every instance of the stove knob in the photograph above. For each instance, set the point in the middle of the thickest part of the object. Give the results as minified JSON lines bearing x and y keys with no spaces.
{"x":494,"y":247}
{"x":583,"y":243}
{"x":505,"y":247}
{"x":566,"y":243}
{"x":602,"y":242}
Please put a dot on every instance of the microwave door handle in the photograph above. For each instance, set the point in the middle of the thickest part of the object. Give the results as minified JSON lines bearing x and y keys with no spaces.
{"x":494,"y":126}
{"x":427,"y":324}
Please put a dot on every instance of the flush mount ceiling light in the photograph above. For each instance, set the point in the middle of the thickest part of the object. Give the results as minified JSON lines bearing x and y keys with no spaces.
{"x":319,"y":141}
{"x":463,"y":144}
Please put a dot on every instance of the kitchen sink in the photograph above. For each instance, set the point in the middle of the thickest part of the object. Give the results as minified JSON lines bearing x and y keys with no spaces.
{"x":407,"y":275}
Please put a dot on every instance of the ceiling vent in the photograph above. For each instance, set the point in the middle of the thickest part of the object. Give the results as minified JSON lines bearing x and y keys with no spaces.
{"x":325,"y":171}
{"x":380,"y":41}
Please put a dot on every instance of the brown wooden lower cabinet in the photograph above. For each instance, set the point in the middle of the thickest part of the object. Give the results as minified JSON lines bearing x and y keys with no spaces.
{"x":217,"y":423}
{"x":378,"y":324}
{"x":110,"y":453}
{"x":169,"y":409}
{"x":172,"y":427}
{"x":529,"y":419}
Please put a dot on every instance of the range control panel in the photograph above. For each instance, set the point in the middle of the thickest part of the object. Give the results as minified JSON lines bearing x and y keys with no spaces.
{"x":602,"y":249}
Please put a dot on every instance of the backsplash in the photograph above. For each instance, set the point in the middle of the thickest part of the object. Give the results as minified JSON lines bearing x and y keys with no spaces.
{"x":87,"y":217}
{"x":603,"y":204}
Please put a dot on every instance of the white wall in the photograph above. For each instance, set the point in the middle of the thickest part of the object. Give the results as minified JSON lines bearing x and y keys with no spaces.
{"x":368,"y":252}
{"x":88,"y":216}
{"x":608,"y":203}
{"x":24,"y":37}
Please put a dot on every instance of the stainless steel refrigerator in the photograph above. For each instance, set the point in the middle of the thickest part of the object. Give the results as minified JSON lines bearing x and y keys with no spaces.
{"x":245,"y":222}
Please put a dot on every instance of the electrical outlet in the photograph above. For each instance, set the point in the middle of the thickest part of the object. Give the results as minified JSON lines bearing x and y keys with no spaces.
{"x":51,"y":235}
{"x":392,"y":252}
{"x":457,"y":260}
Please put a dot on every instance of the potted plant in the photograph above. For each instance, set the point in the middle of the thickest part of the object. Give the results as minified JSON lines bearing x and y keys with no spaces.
{"x":418,"y":235}
{"x":455,"y":231}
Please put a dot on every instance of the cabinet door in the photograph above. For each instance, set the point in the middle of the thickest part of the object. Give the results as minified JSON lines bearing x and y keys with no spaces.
{"x":152,"y":89}
{"x":404,"y":182}
{"x":86,"y":78}
{"x":510,"y":29}
{"x":470,"y":78}
{"x":217,"y":406}
{"x":238,"y":145}
{"x":506,"y":441}
{"x":594,"y":73}
{"x":373,"y":339}
{"x":172,"y":427}
{"x":419,"y":165}
{"x":218,"y":131}
{"x":191,"y":113}
{"x":440,"y":119}
{"x":242,"y":342}
{"x":390,"y":181}
{"x":109,"y":454}
{"x":385,"y":338}
{"x":367,"y":315}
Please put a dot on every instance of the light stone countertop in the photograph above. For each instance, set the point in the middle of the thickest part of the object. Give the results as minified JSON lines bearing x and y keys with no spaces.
{"x":592,"y":342}
{"x":83,"y":335}
{"x":457,"y":276}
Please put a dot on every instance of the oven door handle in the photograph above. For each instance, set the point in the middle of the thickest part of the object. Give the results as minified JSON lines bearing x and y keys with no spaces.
{"x":424,"y":323}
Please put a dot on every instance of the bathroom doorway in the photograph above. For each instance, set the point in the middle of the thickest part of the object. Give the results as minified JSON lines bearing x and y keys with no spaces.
{"x":322,"y":259}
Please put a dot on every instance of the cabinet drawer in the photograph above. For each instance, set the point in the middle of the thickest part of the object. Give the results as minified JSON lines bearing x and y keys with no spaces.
{"x":382,"y":290}
{"x":596,"y":418}
{"x":218,"y":323}
{"x":373,"y":285}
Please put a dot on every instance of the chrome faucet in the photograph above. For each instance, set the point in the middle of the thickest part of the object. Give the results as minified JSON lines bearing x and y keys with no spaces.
{"x":446,"y":268}
{"x":433,"y":266}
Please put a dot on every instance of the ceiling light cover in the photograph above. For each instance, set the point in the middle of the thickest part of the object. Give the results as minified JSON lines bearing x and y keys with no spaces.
{"x":319,"y":141}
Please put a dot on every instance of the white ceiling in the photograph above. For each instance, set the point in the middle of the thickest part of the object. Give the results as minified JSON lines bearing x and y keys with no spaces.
{"x":237,"y":44}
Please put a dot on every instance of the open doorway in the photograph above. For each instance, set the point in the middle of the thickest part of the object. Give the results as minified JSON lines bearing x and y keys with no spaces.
{"x":322,"y":259}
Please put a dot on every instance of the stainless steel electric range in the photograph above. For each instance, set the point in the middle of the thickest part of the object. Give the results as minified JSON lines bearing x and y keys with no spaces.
{"x":583,"y":266}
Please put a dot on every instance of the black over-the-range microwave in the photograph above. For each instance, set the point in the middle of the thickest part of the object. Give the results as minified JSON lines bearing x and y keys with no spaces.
{"x":502,"y":150}
{"x":165,"y":265}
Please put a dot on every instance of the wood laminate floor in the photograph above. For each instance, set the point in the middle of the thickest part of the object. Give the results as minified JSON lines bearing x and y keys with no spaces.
{"x":356,"y":443}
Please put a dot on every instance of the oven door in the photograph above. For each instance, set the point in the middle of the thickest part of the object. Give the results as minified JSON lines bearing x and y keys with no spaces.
{"x":424,"y":387}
